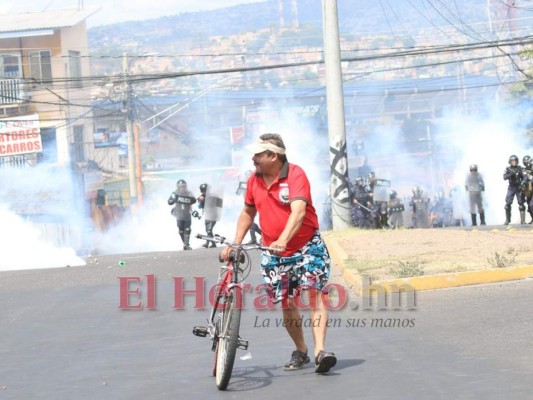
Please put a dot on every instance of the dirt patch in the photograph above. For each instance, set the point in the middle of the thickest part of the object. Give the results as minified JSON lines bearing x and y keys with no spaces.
{"x":384,"y":254}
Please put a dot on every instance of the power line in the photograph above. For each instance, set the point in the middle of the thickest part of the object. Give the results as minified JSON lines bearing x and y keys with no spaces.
{"x":432,"y":50}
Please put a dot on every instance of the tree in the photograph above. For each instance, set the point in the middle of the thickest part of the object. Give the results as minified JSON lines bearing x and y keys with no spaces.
{"x":523,"y":90}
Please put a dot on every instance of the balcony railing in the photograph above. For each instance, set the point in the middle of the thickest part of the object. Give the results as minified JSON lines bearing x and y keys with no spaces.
{"x":12,"y":91}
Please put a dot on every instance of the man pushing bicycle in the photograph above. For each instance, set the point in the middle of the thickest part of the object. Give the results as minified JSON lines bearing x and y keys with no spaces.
{"x":280,"y":192}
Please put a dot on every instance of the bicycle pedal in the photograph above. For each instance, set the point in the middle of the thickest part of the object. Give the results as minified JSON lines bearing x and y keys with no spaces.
{"x":242,"y":344}
{"x":200,"y":331}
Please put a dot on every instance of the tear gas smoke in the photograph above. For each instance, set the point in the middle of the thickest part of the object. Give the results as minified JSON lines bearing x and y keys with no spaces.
{"x":460,"y":141}
{"x":487,"y":141}
{"x":41,"y":221}
{"x":439,"y":158}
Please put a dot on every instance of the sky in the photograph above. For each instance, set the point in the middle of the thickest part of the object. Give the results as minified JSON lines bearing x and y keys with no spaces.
{"x":112,"y":11}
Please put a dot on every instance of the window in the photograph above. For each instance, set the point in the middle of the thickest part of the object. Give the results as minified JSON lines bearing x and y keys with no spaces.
{"x":74,"y":67}
{"x":77,"y":147}
{"x":10,"y":66}
{"x":41,"y":66}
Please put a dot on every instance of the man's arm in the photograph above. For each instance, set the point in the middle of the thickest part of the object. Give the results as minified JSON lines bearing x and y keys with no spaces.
{"x":293,"y":224}
{"x":172,"y":199}
{"x":246,"y":218}
{"x":507,"y":174}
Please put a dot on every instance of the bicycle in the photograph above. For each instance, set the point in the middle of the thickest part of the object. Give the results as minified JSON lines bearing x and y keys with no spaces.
{"x":225,"y":318}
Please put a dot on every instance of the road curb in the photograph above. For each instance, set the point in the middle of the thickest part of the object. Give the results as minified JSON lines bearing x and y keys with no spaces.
{"x":427,"y":282}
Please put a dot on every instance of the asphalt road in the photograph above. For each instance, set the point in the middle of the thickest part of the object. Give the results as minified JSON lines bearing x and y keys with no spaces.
{"x":62,"y":336}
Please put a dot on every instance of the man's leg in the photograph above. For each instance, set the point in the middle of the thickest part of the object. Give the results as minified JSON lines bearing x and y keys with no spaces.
{"x":181,"y":229}
{"x":210,"y":231}
{"x":324,"y":360}
{"x":318,"y":315}
{"x":187,"y":236}
{"x":292,"y":320}
{"x":319,"y":319}
{"x":520,"y":198}
{"x":508,"y":203}
{"x":254,"y":229}
{"x":293,"y":323}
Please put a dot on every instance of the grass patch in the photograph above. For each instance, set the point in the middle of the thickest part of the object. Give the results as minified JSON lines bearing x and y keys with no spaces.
{"x":501,"y":261}
{"x":458,"y":268}
{"x":407,"y":269}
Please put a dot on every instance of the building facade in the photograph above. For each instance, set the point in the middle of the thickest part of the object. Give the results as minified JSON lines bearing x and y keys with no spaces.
{"x":43,"y":62}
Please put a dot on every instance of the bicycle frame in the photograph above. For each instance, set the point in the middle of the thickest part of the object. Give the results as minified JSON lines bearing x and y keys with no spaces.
{"x":227,"y":280}
{"x":224,"y":320}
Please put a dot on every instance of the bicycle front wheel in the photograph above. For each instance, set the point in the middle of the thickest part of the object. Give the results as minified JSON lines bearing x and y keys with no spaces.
{"x":229,"y":338}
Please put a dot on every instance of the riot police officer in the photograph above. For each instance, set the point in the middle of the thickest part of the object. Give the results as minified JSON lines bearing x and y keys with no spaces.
{"x":209,"y":224}
{"x":361,"y":203}
{"x":419,"y":208}
{"x":182,"y":200}
{"x":514,"y":175}
{"x":395,"y":211}
{"x":475,"y":186}
{"x":527,"y":184}
{"x":380,"y":197}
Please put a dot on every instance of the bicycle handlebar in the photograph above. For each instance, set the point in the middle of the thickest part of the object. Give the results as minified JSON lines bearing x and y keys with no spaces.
{"x":223,"y":240}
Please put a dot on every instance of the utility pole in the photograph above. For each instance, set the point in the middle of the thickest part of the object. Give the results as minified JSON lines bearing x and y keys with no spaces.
{"x":489,"y":16}
{"x":281,"y":14}
{"x":340,"y":197}
{"x":129,"y":130}
{"x":138,"y":166}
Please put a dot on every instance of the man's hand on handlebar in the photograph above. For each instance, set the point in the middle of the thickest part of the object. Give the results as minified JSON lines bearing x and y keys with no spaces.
{"x":224,"y":253}
{"x":278,"y":244}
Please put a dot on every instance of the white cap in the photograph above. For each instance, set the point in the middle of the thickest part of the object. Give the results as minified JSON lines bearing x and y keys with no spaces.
{"x":260,"y":146}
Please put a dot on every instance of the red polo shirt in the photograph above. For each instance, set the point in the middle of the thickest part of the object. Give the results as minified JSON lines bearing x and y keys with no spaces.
{"x":274,"y":206}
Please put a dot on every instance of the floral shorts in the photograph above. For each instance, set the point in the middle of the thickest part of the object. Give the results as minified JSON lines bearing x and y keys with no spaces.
{"x":307,"y":268}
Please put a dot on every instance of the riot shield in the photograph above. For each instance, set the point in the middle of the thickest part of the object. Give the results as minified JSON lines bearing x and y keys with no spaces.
{"x":213,"y":203}
{"x":382,"y":190}
{"x":422,"y":212}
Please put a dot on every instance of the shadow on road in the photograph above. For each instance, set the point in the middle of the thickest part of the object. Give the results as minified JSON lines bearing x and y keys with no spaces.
{"x":343,"y":364}
{"x":252,"y":378}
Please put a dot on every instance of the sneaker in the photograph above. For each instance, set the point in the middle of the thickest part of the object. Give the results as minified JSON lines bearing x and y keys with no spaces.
{"x":324,"y":361}
{"x":297,"y":361}
{"x":187,"y":248}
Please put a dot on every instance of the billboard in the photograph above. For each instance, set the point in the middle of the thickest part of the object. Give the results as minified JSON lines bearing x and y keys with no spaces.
{"x":20,"y":135}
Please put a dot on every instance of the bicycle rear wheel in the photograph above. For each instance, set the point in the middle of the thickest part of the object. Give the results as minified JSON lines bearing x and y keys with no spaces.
{"x":228,"y":339}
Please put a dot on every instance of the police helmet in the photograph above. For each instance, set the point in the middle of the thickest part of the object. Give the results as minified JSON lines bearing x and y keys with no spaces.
{"x":359,"y":180}
{"x":526,"y":161}
{"x":393,"y":194}
{"x":513,"y":158}
{"x":181,"y":182}
{"x":473,"y":167}
{"x":203,"y":187}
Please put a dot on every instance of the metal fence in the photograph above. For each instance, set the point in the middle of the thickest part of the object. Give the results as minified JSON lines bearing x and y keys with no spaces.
{"x":11,"y":91}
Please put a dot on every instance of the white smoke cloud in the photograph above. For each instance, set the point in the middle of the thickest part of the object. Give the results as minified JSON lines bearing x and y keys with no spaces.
{"x":153,"y":228}
{"x":24,"y":247}
{"x":487,"y":141}
{"x":42,"y":224}
{"x":437,"y":157}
